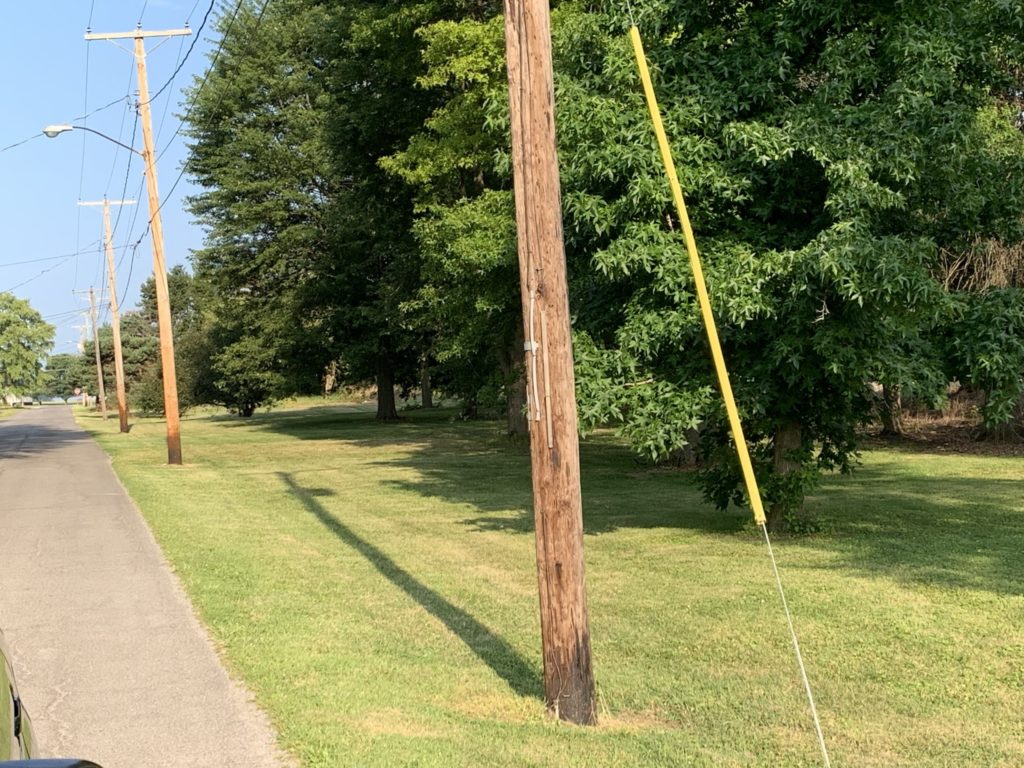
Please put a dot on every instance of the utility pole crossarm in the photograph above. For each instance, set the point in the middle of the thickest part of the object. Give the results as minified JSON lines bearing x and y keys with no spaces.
{"x":138,"y":33}
{"x":106,"y":202}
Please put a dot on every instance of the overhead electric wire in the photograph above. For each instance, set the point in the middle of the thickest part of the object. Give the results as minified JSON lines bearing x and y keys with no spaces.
{"x":206,"y":74}
{"x":127,"y":176}
{"x":36,"y":277}
{"x":131,"y":270}
{"x":195,"y":40}
{"x":87,"y":249}
{"x":120,"y":136}
{"x":81,"y":171}
{"x":118,"y":100}
{"x":194,"y":6}
{"x":167,"y":103}
{"x":191,"y":106}
{"x":23,"y":141}
{"x":195,"y":96}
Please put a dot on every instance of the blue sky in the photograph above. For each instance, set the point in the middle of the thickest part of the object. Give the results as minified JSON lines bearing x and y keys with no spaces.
{"x":50,"y":74}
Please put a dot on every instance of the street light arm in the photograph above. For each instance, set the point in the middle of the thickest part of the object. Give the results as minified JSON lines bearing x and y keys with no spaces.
{"x":52,"y":131}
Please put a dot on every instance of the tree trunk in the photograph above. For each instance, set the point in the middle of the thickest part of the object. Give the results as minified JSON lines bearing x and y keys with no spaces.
{"x":386,"y":409}
{"x":787,"y":442}
{"x":330,"y":378}
{"x":426,"y":390}
{"x":513,"y":370}
{"x":515,"y":401}
{"x":892,"y":410}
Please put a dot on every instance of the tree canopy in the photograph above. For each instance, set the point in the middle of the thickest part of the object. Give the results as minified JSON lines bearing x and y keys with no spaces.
{"x":846,"y":165}
{"x":25,"y":342}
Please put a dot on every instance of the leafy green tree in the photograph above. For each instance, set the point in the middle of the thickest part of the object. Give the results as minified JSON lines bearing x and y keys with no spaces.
{"x":987,"y":352}
{"x":64,"y":373}
{"x":259,"y":157}
{"x":373,"y":264}
{"x":829,"y":151}
{"x":465,"y":229}
{"x":25,"y":342}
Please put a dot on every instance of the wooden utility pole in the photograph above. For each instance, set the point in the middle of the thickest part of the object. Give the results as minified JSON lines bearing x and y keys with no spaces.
{"x":115,"y":315}
{"x":100,"y":388}
{"x":554,"y":438}
{"x":163,"y":304}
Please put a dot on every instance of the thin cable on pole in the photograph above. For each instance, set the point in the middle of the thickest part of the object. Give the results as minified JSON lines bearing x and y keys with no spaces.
{"x":195,"y":5}
{"x":118,"y":100}
{"x":796,"y":648}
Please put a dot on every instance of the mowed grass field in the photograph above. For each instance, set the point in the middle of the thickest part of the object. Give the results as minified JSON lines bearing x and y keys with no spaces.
{"x":374,"y":585}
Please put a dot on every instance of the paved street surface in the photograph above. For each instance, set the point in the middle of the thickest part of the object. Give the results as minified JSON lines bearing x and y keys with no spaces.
{"x":111,"y":661}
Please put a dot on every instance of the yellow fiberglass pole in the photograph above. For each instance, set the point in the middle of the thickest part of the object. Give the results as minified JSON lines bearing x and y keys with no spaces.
{"x":698,"y":279}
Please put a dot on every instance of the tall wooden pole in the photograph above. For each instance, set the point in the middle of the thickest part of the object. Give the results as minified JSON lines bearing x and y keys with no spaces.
{"x":163,"y":301}
{"x":115,"y":316}
{"x":96,"y":348}
{"x":115,"y":313}
{"x":163,"y":304}
{"x":554,"y":439}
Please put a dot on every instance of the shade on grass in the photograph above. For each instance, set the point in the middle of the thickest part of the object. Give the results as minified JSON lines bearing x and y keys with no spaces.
{"x":375,"y":587}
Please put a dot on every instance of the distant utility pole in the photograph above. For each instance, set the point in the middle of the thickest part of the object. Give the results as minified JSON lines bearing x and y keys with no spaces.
{"x":96,"y":349}
{"x":554,"y":437}
{"x":115,"y":315}
{"x":163,"y":302}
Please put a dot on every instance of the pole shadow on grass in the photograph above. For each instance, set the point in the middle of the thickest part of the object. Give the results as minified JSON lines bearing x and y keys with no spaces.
{"x":918,"y":525}
{"x":489,"y":647}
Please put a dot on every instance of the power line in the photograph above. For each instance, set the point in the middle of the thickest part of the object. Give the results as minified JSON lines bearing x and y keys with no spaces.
{"x":65,"y":314}
{"x":36,"y":277}
{"x":81,"y":170}
{"x":118,"y":100}
{"x":167,"y":104}
{"x":195,"y":40}
{"x":120,"y":137}
{"x":23,"y":141}
{"x":194,"y":6}
{"x":206,"y":76}
{"x":88,"y":249}
{"x":127,"y":175}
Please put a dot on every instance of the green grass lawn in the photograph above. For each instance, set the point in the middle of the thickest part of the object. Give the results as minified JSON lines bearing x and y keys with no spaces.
{"x":375,"y":586}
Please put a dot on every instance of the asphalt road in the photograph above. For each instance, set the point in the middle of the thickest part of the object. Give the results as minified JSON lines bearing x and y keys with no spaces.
{"x":111,"y":660}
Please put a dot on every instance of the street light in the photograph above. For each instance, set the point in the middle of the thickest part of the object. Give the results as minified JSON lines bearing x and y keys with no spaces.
{"x":163,"y":304}
{"x":52,"y":131}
